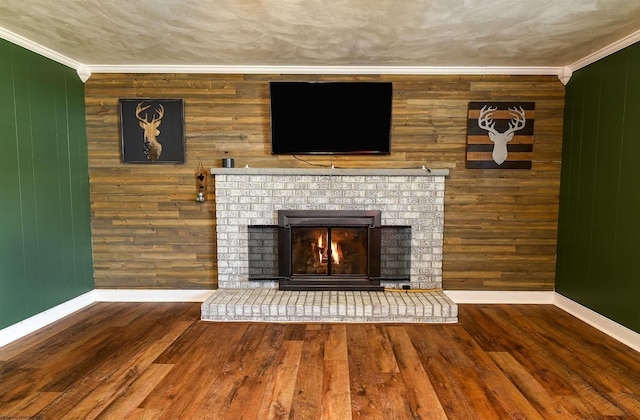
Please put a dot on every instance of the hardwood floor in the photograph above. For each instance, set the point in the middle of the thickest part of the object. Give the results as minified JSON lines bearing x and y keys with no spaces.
{"x":150,"y":360}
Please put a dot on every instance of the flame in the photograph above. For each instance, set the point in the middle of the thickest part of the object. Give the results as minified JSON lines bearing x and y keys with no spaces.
{"x":334,"y":252}
{"x":322,"y":252}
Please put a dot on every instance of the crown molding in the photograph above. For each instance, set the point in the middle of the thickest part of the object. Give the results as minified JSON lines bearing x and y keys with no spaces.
{"x":560,"y":72}
{"x":38,"y":49}
{"x":608,"y":50}
{"x":84,"y":70}
{"x":435,"y":70}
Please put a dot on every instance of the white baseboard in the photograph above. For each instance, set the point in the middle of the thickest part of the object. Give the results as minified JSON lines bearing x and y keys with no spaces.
{"x":500,"y":296}
{"x":600,"y":322}
{"x":611,"y":328}
{"x":31,"y":324}
{"x":151,"y":295}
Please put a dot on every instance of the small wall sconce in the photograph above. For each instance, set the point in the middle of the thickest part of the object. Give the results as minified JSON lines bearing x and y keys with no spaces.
{"x":201,"y":184}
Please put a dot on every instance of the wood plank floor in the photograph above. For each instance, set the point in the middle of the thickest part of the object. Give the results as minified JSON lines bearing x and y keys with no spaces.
{"x":158,"y":360}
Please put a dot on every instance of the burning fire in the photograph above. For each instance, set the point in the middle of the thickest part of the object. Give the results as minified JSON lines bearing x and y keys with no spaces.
{"x":323,"y":252}
{"x":335,"y":256}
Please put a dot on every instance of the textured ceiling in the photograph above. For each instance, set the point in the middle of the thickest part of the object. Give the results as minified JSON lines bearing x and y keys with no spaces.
{"x":322,"y":32}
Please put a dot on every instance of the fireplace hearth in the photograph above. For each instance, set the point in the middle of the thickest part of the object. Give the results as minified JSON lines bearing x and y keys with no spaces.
{"x":329,"y":250}
{"x":411,"y":204}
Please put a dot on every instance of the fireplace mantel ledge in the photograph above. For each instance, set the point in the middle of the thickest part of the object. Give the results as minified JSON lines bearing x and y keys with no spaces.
{"x":329,"y":171}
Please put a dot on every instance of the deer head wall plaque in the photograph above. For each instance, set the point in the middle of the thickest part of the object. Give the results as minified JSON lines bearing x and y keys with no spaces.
{"x":500,"y":135}
{"x":152,"y":130}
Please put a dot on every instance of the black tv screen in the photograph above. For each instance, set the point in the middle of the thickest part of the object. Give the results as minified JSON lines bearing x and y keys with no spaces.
{"x":330,"y":117}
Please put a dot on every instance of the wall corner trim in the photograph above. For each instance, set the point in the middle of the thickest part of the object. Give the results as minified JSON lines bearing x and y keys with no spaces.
{"x":84,"y":73}
{"x":565,"y":75}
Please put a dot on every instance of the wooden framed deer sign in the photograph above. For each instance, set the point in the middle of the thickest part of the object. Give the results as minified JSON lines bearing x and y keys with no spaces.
{"x":152,"y":130}
{"x":500,"y":135}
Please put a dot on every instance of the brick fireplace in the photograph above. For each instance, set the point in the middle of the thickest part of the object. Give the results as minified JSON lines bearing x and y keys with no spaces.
{"x":411,"y":206}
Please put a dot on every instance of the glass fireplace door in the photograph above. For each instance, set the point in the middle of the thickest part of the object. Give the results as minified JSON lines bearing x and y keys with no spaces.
{"x":329,"y":251}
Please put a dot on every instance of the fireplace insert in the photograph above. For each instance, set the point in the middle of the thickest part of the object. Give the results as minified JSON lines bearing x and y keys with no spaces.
{"x":329,"y":250}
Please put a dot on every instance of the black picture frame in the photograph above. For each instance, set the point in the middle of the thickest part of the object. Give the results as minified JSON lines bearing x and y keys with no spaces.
{"x":502,"y":116}
{"x":145,"y":123}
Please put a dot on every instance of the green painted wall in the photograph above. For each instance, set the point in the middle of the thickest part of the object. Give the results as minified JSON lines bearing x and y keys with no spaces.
{"x":45,"y":234}
{"x":599,"y":223}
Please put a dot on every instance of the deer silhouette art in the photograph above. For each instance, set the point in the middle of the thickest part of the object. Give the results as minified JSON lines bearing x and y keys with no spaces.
{"x":152,"y":147}
{"x":500,"y":140}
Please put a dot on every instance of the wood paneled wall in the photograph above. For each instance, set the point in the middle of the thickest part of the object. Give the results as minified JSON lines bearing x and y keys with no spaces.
{"x":148,"y":231}
{"x":600,"y":204}
{"x":45,"y":234}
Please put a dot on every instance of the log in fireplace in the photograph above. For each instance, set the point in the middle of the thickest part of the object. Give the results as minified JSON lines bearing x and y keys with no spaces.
{"x":329,"y":250}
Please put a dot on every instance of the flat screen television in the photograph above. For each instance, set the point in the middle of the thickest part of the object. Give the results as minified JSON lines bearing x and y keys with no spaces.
{"x":330,"y":118}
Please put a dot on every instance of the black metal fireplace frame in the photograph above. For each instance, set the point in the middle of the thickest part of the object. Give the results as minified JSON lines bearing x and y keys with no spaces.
{"x":288,"y":219}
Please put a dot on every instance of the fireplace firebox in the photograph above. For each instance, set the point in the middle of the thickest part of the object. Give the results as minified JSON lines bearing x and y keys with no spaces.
{"x":329,"y":250}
